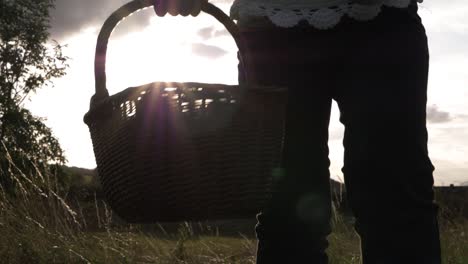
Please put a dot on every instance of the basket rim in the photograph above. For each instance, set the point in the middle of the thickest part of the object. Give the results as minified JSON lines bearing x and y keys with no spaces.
{"x":98,"y":105}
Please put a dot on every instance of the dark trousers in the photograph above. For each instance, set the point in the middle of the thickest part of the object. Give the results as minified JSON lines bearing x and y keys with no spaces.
{"x":377,"y":73}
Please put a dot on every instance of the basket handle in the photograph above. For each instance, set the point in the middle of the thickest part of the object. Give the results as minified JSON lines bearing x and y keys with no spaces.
{"x":123,"y":12}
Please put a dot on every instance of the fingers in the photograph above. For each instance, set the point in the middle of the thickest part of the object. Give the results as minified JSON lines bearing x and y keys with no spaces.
{"x":186,"y":7}
{"x":196,"y":7}
{"x":160,"y":7}
{"x":174,"y":7}
{"x":178,"y":7}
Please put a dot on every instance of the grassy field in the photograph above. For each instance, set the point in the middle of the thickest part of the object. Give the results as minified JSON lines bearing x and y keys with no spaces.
{"x":37,"y":225}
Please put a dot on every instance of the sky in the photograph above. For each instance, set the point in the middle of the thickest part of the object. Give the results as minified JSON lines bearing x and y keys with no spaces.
{"x":145,"y":48}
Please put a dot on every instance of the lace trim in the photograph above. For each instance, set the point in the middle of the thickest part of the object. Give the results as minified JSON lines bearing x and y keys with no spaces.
{"x":323,"y":18}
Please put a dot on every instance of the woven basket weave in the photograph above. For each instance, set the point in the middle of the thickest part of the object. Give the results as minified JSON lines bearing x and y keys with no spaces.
{"x":184,"y":151}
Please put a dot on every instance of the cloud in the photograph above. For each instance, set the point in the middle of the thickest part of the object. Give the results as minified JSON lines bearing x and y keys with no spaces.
{"x":70,"y":16}
{"x":208,"y":51}
{"x":434,"y":115}
{"x":462,"y":117}
{"x":222,"y":32}
{"x":447,"y":24}
{"x":448,"y":172}
{"x":207,"y":33}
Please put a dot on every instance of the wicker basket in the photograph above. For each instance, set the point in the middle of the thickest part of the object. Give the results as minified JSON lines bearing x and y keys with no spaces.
{"x":184,"y":151}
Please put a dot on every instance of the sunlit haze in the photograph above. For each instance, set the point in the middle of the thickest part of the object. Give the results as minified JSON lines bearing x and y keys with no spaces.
{"x":199,"y":49}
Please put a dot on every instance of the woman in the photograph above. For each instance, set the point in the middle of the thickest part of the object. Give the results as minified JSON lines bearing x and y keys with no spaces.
{"x":371,"y":57}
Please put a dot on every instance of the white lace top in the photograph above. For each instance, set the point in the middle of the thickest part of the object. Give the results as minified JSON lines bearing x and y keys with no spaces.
{"x":322,"y":14}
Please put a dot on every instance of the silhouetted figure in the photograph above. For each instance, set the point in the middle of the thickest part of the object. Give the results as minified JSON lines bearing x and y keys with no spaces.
{"x":377,"y":72}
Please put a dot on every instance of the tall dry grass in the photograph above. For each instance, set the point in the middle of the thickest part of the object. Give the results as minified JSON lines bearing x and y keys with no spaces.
{"x":39,"y":225}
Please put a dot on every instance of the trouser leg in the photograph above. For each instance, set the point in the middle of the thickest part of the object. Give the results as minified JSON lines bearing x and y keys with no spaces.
{"x":387,"y":170}
{"x":294,"y":225}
